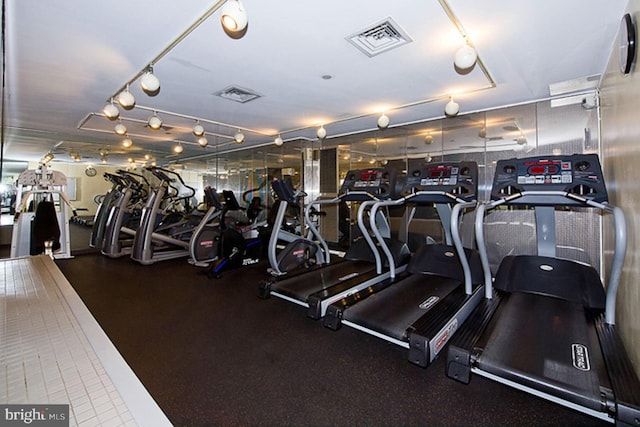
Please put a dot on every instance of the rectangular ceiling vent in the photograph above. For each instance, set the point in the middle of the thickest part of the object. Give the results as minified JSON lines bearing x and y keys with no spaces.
{"x":237,"y":94}
{"x":380,"y":37}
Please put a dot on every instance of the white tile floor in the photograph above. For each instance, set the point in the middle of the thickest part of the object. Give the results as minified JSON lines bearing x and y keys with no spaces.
{"x":52,"y":351}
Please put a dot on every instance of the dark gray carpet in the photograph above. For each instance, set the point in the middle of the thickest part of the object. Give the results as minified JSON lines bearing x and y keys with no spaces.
{"x":212,"y":353}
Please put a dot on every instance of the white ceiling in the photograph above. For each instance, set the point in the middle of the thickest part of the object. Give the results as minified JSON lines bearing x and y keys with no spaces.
{"x":66,"y":58}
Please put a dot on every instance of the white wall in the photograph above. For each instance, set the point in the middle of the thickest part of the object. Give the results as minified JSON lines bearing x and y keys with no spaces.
{"x":86,"y":187}
{"x":620,"y":101}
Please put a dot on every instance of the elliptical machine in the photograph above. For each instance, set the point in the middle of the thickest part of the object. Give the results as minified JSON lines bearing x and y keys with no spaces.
{"x":300,"y":251}
{"x":123,"y":216}
{"x":203,"y":246}
{"x":104,"y":206}
{"x":159,"y":239}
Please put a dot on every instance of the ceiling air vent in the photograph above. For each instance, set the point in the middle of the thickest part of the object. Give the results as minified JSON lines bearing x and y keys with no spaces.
{"x":237,"y":94}
{"x":379,"y":37}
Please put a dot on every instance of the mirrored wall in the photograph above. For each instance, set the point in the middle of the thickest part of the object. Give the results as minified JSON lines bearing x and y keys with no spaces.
{"x":563,"y":126}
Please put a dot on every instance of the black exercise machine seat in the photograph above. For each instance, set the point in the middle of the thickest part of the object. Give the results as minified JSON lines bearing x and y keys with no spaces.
{"x":546,"y":326}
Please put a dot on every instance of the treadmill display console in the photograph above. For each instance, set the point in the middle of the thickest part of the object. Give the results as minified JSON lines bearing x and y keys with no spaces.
{"x":578,"y":174}
{"x":427,"y":183}
{"x":368,"y":184}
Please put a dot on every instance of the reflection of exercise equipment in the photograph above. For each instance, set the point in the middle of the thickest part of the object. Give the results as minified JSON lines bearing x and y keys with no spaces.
{"x":239,"y":242}
{"x":161,"y":237}
{"x":549,"y":327}
{"x":300,"y":251}
{"x":41,"y":222}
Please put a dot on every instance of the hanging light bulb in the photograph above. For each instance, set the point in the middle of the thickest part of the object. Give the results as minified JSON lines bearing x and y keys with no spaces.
{"x":465,"y":57}
{"x":120,"y":129}
{"x":234,"y":16}
{"x":103,"y":159}
{"x":238,"y":137}
{"x":150,"y":83}
{"x":126,"y":99}
{"x":383,"y":121}
{"x":203,"y":141}
{"x":198,"y":130}
{"x":178,"y":148}
{"x":110,"y":111}
{"x":155,"y":122}
{"x":321,"y":133}
{"x":127,"y":142}
{"x":278,"y":141}
{"x":452,"y":108}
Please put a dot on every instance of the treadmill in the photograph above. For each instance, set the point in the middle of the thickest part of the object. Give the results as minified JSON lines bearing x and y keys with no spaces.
{"x":548,"y":326}
{"x":421,"y":308}
{"x":362,"y":264}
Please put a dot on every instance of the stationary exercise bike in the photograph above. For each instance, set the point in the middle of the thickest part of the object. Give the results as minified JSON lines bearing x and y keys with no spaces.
{"x":239,"y":242}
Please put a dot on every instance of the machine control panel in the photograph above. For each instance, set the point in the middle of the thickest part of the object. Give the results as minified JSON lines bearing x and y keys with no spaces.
{"x":578,"y":174}
{"x":369,"y":184}
{"x":427,"y":183}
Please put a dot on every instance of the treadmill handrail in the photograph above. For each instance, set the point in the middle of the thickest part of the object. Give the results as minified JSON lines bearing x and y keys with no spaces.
{"x":313,"y":229}
{"x":620,"y":242}
{"x":454,"y":218}
{"x":376,"y":232}
{"x":336,"y":200}
{"x":366,"y":235}
{"x":457,"y":242}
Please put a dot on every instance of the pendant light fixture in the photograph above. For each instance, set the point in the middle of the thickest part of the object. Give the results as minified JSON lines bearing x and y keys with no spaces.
{"x":154,"y":121}
{"x":452,"y":108}
{"x":278,"y":141}
{"x":233,"y":17}
{"x":150,"y":83}
{"x":238,"y":137}
{"x":126,"y":99}
{"x":120,"y":129}
{"x":203,"y":141}
{"x":110,"y":111}
{"x":383,"y":121}
{"x":428,"y":138}
{"x":178,"y":148}
{"x":127,"y":142}
{"x":465,"y":58}
{"x":198,"y":130}
{"x":321,"y":133}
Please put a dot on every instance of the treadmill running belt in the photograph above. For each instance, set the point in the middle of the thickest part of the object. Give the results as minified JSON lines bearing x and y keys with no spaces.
{"x":392,"y":310}
{"x":300,"y":287}
{"x":547,"y":344}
